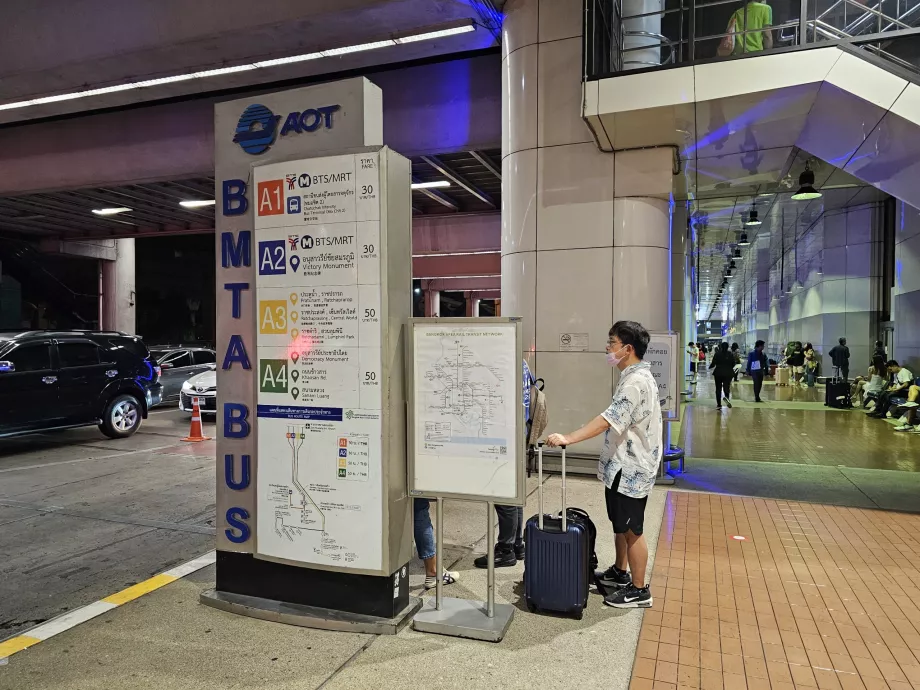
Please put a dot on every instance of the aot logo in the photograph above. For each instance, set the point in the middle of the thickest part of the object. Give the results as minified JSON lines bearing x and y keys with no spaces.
{"x":258,"y":126}
{"x":255,"y":132}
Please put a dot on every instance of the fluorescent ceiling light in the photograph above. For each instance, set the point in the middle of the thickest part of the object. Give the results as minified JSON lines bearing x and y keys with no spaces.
{"x":220,"y":71}
{"x":223,"y":70}
{"x":430,"y":185}
{"x":288,"y":60}
{"x":430,"y":35}
{"x":111,"y":211}
{"x":193,"y":203}
{"x":358,"y":48}
{"x":163,"y":80}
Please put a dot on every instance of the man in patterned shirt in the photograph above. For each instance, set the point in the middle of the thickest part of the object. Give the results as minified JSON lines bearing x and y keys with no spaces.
{"x":629,"y":461}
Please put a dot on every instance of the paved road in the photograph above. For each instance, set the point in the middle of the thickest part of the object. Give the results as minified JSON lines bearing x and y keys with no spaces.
{"x":83,"y":516}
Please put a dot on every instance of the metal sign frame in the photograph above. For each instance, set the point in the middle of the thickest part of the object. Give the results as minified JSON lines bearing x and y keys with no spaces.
{"x":671,"y":411}
{"x":520,"y":453}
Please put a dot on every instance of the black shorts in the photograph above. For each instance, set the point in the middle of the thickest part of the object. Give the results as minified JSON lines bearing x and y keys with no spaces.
{"x":626,"y":513}
{"x":693,"y":367}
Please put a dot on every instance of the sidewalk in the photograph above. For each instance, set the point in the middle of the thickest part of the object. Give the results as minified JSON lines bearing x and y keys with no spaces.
{"x":166,"y":639}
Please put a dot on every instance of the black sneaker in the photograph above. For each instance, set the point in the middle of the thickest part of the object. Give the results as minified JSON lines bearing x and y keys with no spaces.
{"x":613,"y":577}
{"x":504,"y":558}
{"x":519,"y":550}
{"x":630,"y":597}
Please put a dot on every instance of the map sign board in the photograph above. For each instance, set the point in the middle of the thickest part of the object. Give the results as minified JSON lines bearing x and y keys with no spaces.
{"x":319,"y":323}
{"x":466,"y":431}
{"x":661,"y":355}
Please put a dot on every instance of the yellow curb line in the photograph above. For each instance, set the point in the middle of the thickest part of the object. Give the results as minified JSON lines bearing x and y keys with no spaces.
{"x":71,"y":619}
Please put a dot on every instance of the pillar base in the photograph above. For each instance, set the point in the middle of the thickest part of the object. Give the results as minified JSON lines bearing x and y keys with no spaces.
{"x":309,"y":616}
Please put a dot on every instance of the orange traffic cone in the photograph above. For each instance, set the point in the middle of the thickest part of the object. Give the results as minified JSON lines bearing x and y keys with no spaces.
{"x":195,"y":435}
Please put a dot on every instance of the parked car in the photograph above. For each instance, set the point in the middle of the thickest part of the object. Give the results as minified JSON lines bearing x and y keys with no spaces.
{"x":204,"y":387}
{"x":178,"y":364}
{"x":63,"y":379}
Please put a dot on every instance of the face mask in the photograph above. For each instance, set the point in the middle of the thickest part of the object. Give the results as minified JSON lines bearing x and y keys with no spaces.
{"x":613,"y":360}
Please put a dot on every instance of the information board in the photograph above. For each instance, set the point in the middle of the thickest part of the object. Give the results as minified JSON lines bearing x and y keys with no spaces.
{"x":318,"y":313}
{"x":465,"y":425}
{"x":661,"y":355}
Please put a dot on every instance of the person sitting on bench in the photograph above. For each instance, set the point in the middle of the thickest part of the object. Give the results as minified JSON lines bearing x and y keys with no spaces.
{"x":899,"y":386}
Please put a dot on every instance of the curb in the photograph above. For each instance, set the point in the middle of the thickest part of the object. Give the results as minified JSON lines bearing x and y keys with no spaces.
{"x":71,"y":619}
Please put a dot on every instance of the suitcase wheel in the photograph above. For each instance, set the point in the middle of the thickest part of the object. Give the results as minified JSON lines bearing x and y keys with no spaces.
{"x":530,"y":606}
{"x":578,"y":613}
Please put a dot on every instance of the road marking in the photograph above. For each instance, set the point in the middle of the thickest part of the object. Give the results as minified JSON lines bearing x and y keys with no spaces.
{"x":140,"y":589}
{"x":74,"y":618}
{"x":16,"y":644}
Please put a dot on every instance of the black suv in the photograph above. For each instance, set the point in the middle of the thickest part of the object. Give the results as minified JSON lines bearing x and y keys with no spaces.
{"x":57,"y":380}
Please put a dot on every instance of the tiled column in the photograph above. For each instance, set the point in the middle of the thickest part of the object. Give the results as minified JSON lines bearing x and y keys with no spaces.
{"x":585,"y":234}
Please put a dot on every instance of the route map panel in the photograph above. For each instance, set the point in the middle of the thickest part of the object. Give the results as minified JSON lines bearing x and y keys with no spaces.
{"x":466,"y":384}
{"x":318,"y":293}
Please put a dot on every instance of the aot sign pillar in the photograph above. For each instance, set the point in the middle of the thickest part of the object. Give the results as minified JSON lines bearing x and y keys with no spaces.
{"x":313,"y":279}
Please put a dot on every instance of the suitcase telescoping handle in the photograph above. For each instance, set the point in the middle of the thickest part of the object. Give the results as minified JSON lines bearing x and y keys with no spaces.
{"x":540,"y":487}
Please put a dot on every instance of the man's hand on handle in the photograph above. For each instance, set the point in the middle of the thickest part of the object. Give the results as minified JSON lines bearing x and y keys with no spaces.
{"x":554,"y":440}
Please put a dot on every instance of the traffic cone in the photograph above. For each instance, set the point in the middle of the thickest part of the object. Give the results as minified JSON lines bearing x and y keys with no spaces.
{"x":195,"y":435}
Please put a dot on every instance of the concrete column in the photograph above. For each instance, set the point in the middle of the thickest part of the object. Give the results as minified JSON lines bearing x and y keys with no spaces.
{"x":585,"y":234}
{"x":432,"y":303}
{"x":679,"y":290}
{"x":118,"y":290}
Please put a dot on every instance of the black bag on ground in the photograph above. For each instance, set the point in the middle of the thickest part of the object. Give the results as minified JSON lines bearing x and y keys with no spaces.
{"x":837,"y":393}
{"x":560,"y":560}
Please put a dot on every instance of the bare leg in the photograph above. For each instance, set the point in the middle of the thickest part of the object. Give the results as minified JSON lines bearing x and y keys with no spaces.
{"x":431,"y":566}
{"x":622,"y":548}
{"x":638,"y":557}
{"x":913,"y":394}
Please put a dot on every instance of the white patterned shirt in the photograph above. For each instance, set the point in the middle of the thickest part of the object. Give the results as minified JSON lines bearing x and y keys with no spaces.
{"x":633,"y":441}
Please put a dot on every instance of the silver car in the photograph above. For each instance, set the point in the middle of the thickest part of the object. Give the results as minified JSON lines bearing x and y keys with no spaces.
{"x":204,"y":387}
{"x":179,"y":364}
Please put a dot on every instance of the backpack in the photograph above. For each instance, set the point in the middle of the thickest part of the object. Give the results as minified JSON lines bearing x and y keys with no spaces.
{"x":535,"y":417}
{"x":579,"y":515}
{"x":536,"y":425}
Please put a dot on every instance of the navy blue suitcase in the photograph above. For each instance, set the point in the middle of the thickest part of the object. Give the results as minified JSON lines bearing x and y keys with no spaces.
{"x":558,"y":557}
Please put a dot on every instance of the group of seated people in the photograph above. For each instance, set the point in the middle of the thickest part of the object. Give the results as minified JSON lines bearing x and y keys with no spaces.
{"x":887,"y":388}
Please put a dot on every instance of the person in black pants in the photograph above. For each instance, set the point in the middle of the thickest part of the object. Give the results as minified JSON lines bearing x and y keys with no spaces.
{"x":509,"y":547}
{"x":840,"y":358}
{"x":756,"y":367}
{"x":724,"y":364}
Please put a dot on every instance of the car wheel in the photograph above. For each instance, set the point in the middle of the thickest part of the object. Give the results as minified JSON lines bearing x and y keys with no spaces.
{"x":122,"y":417}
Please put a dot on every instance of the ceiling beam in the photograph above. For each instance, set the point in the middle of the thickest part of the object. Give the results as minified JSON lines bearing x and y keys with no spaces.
{"x":458,"y":180}
{"x":435,"y":195}
{"x":487,"y":163}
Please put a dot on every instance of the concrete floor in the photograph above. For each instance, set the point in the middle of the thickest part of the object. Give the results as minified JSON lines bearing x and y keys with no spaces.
{"x":166,"y":639}
{"x":83,"y":516}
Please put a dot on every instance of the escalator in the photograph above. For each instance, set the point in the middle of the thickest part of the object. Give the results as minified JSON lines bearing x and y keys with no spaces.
{"x":48,"y":300}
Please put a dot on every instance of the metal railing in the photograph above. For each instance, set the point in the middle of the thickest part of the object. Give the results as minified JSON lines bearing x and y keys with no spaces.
{"x":624,"y":35}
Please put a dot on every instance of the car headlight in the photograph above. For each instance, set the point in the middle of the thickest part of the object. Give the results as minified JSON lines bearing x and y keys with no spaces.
{"x":186,"y":386}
